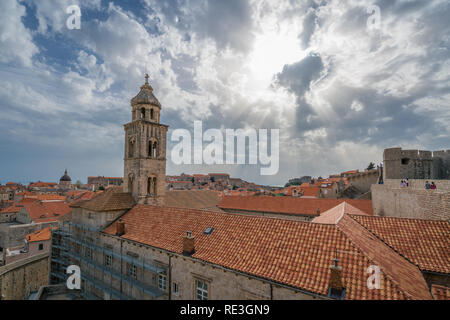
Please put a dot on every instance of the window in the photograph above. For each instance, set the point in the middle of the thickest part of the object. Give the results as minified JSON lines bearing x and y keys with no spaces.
{"x":201,"y":292}
{"x":151,"y":114}
{"x":143,"y":113}
{"x":88,"y":253}
{"x":132,"y":271}
{"x":131,"y":149}
{"x":149,"y":185}
{"x":108,"y":260}
{"x":109,"y":217}
{"x":154,"y":186}
{"x":90,"y":215}
{"x":162,"y":280}
{"x":41,"y":246}
{"x":130,"y":184}
{"x":175,"y":288}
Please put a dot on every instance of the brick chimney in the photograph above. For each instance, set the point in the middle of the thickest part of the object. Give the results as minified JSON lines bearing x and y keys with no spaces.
{"x":120,"y":228}
{"x":336,"y":286}
{"x":188,"y":244}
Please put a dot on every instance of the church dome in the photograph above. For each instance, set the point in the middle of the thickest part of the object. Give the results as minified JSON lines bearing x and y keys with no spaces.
{"x":65,"y":177}
{"x":145,"y":96}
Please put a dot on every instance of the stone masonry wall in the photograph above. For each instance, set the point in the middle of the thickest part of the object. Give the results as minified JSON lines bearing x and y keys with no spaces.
{"x":19,"y":279}
{"x":410,"y":203}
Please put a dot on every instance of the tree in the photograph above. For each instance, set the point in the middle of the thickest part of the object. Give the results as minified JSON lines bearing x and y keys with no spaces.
{"x":371,"y":166}
{"x":101,"y":188}
{"x":78,"y":183}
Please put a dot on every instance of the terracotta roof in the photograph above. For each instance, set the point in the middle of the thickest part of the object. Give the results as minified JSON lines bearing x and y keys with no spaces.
{"x":47,"y":197}
{"x":11,"y":209}
{"x":46,"y":211}
{"x":405,"y":274}
{"x":289,"y":205}
{"x":350,"y":172}
{"x":112,"y":199}
{"x":43,"y":185}
{"x":192,"y":199}
{"x":40,"y":235}
{"x":333,"y":215}
{"x":423,"y":242}
{"x":293,"y":253}
{"x":440,"y":292}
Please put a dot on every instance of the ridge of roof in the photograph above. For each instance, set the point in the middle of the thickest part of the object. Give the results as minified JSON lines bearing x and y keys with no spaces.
{"x":401,"y":271}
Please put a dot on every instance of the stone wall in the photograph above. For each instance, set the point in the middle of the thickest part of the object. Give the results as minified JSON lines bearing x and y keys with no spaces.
{"x":13,"y":234}
{"x":416,"y":164}
{"x":410,"y":203}
{"x":19,"y":279}
{"x":363,"y":180}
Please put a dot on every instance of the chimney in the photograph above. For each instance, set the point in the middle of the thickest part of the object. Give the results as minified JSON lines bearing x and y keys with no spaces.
{"x":120,"y":228}
{"x":318,"y":211}
{"x":188,"y":244}
{"x":336,"y":286}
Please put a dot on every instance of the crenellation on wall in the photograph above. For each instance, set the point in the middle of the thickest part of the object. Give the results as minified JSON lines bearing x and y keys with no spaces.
{"x":416,"y":164}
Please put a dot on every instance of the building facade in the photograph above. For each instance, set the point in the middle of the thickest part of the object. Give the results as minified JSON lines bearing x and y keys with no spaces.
{"x":416,"y":164}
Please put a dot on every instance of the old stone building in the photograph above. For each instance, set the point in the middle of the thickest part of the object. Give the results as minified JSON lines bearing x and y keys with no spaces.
{"x":416,"y":164}
{"x":145,"y":149}
{"x":101,"y":181}
{"x":65,"y":182}
{"x":132,"y":244}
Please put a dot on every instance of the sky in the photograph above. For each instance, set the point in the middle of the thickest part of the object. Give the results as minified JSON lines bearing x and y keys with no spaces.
{"x":341,"y":80}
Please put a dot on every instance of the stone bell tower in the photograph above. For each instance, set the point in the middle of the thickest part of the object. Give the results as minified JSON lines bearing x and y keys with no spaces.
{"x":145,"y":149}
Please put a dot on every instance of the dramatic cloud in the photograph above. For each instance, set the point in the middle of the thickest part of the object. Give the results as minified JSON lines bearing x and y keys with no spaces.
{"x":339,"y":91}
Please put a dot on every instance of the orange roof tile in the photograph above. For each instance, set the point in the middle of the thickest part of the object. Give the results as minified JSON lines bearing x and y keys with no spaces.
{"x":46,"y":211}
{"x":289,"y":205}
{"x":423,"y":242}
{"x":110,"y":200}
{"x":12,"y":209}
{"x":405,"y":274}
{"x":40,"y":235}
{"x":293,"y":253}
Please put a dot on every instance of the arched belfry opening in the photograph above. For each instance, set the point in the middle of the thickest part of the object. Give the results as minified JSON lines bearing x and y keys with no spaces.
{"x":130,"y":183}
{"x":155,"y":149}
{"x":142,"y":113}
{"x":131,"y":148}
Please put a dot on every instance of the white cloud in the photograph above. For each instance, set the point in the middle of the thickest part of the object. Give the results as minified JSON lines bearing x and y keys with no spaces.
{"x":16,"y":43}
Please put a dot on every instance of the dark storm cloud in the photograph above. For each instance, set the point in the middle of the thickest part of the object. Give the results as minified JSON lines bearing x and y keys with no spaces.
{"x":297,"y":78}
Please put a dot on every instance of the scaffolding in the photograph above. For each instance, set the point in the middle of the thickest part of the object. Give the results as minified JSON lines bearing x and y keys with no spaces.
{"x":65,"y":243}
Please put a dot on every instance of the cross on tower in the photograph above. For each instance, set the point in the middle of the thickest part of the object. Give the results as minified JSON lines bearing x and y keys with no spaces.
{"x":146,"y":78}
